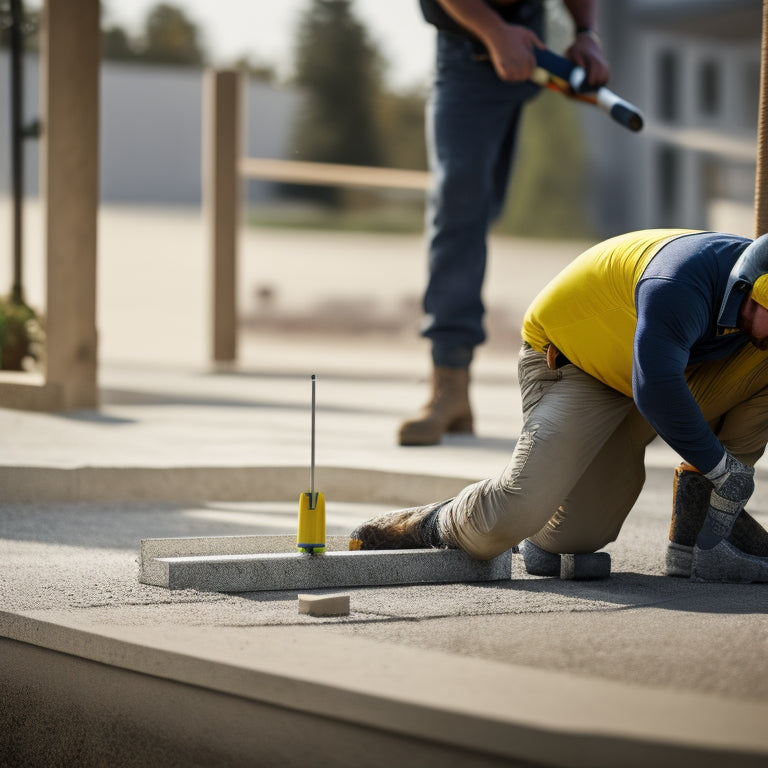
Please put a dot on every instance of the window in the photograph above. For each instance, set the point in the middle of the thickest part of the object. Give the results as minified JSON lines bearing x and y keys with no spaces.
{"x":668,"y":86}
{"x":709,"y":88}
{"x":668,"y":176}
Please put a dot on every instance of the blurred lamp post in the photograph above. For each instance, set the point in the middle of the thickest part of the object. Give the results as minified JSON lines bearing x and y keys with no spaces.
{"x":17,"y":146}
{"x":761,"y":177}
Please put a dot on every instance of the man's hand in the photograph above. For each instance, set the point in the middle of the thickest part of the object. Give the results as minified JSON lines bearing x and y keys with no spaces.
{"x":511,"y":50}
{"x":586,"y":52}
{"x":733,"y":484}
{"x":509,"y":46}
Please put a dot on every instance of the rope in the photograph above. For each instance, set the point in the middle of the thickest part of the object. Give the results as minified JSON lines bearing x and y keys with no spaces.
{"x":761,"y":177}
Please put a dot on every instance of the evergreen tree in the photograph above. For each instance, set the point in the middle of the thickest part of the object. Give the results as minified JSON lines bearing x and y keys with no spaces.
{"x":30,"y":28}
{"x":168,"y":37}
{"x":171,"y":38}
{"x":116,"y":45}
{"x":340,"y":71}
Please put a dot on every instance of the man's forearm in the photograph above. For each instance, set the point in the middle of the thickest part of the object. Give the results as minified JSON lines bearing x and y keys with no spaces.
{"x":586,"y":50}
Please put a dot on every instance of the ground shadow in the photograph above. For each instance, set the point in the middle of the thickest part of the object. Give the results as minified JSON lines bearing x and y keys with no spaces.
{"x":630,"y":589}
{"x":121,"y":527}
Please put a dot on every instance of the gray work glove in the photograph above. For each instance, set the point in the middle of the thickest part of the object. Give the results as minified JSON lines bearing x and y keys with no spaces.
{"x":733,"y":483}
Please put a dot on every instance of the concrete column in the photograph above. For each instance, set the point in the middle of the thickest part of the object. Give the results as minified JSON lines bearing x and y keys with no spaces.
{"x":70,"y":54}
{"x":221,"y":195}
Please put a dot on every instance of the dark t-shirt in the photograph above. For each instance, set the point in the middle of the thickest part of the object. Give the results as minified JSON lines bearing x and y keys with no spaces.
{"x":527,"y":13}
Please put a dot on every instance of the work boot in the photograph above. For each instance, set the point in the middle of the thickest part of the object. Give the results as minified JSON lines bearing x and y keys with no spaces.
{"x":742,"y":556}
{"x":448,"y":409}
{"x":413,"y":528}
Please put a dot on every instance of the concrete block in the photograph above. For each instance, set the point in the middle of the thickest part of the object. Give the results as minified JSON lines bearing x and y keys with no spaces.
{"x":324,"y":605}
{"x":207,"y":565}
{"x":590,"y":565}
{"x":594,"y":565}
{"x":151,"y":571}
{"x":539,"y":562}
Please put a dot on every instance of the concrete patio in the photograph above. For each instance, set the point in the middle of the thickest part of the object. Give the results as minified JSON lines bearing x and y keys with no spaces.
{"x":99,"y":669}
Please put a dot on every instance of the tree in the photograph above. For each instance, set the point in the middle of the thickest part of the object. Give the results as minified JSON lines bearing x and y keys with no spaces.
{"x":30,"y":29}
{"x":168,"y":37}
{"x":340,"y":71}
{"x":116,"y":45}
{"x":171,"y":38}
{"x":547,"y":193}
{"x":256,"y":69}
{"x":401,"y":121}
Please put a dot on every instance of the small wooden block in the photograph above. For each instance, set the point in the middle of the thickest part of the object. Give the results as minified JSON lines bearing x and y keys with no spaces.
{"x":324,"y":605}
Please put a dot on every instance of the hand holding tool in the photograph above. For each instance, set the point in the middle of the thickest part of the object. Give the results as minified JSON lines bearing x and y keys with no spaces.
{"x":560,"y":74}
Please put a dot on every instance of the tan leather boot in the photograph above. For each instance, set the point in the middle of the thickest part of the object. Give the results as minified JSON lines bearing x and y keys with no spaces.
{"x":448,"y":409}
{"x":412,"y":528}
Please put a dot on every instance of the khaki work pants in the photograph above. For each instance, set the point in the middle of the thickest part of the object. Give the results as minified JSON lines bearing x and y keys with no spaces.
{"x":578,"y":465}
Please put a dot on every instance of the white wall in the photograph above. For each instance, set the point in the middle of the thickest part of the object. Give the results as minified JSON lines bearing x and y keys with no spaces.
{"x":151,"y":125}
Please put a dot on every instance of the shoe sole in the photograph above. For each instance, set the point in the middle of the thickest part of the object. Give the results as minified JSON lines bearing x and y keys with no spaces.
{"x":725,"y":563}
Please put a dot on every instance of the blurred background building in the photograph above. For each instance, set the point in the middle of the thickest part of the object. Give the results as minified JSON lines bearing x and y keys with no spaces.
{"x":692,"y":66}
{"x":151,"y":131}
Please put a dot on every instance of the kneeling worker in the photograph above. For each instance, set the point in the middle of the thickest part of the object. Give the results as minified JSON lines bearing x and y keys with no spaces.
{"x":643,"y":334}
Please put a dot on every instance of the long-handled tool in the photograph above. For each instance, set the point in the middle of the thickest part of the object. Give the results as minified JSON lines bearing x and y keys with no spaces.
{"x":311,"y":533}
{"x":560,"y":74}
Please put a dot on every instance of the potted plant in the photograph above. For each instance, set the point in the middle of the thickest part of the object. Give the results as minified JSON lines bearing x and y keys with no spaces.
{"x":21,"y":335}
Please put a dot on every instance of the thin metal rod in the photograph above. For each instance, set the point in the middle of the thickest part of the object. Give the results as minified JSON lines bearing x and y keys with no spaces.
{"x":312,"y":461}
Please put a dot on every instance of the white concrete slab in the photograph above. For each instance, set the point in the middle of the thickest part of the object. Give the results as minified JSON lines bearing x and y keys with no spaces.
{"x":270,"y":563}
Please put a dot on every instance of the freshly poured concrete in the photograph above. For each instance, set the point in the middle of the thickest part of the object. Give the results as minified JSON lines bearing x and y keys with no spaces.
{"x":635,"y":670}
{"x":262,"y":564}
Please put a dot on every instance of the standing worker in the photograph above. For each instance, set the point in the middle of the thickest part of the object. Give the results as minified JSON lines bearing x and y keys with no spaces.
{"x":484,"y":61}
{"x":646,"y":333}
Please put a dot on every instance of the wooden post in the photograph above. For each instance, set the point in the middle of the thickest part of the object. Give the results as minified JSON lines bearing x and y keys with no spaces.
{"x":221,"y":194}
{"x":70,"y":179}
{"x":761,"y":177}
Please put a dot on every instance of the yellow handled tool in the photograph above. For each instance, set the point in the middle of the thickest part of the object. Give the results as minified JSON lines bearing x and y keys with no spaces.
{"x":311,"y":533}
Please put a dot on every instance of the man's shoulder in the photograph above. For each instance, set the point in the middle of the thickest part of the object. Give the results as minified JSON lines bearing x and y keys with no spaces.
{"x":696,"y":255}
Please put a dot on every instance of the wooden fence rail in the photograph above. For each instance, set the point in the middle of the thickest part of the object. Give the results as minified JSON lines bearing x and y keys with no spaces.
{"x":224,"y":169}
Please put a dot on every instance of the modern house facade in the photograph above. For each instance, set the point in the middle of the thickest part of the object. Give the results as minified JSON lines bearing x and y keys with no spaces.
{"x":694,"y":68}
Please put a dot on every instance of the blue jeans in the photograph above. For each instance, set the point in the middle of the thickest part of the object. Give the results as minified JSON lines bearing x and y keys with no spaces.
{"x":472,"y":122}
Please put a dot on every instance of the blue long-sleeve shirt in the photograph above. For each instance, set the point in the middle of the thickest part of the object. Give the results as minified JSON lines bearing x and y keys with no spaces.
{"x":678,"y":300}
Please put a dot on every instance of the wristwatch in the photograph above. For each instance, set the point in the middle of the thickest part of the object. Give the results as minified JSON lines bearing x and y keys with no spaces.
{"x":589,"y":32}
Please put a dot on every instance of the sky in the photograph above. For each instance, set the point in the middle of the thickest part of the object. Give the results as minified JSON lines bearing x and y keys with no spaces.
{"x":264,"y":31}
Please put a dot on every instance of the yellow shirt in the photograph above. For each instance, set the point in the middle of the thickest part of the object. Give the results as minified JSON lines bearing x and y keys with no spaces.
{"x":588,"y":310}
